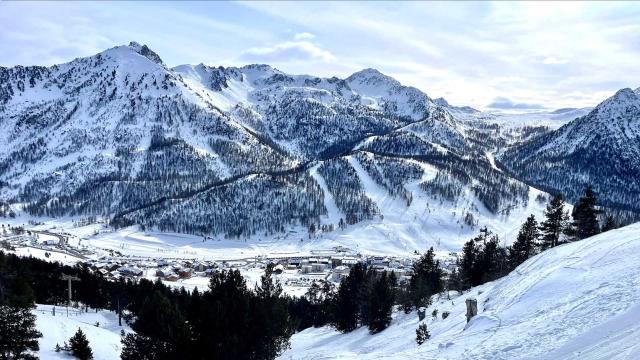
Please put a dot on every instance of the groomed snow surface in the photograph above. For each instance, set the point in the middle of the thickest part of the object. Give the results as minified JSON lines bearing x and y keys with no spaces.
{"x":576,"y":301}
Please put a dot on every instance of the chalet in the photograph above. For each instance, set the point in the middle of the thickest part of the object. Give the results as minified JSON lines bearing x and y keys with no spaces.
{"x":294,"y":262}
{"x":379,"y":260}
{"x":172,"y":277}
{"x":318,"y":267}
{"x":306,"y":269}
{"x":200,"y":266}
{"x":185,"y":273}
{"x":339,"y":272}
{"x":163,"y":262}
{"x":130,"y":271}
{"x":112,"y":266}
{"x":379,"y":268}
{"x":163,"y":273}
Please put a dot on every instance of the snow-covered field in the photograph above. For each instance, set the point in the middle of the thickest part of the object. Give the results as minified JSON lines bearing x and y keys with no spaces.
{"x":576,"y":301}
{"x":104,"y":340}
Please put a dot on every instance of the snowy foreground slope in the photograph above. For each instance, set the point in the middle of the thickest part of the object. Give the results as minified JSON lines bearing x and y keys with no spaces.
{"x":104,"y":340}
{"x":577,"y":301}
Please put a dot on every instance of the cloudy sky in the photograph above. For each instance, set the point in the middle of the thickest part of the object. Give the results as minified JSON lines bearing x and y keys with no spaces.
{"x":501,"y":55}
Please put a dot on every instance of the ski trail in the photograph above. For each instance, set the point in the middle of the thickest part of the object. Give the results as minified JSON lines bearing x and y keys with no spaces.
{"x":492,"y":160}
{"x":333,"y":212}
{"x":375,"y":192}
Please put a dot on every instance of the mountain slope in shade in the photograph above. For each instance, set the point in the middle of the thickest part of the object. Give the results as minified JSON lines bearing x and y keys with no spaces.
{"x":575,"y":301}
{"x":599,"y":149}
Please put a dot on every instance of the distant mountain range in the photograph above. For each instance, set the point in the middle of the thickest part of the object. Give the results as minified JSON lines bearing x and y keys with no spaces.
{"x":254,"y":152}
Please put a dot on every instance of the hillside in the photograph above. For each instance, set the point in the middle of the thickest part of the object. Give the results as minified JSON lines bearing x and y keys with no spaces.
{"x":575,"y":301}
{"x":104,"y":339}
{"x":599,"y":149}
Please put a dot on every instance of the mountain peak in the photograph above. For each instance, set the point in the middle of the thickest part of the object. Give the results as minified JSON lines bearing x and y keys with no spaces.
{"x":619,"y":103}
{"x":441,"y":102}
{"x":260,"y":67}
{"x":146,"y":52}
{"x":372,"y":77}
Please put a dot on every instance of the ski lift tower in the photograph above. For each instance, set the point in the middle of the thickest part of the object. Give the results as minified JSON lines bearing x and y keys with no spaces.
{"x":69,"y":279}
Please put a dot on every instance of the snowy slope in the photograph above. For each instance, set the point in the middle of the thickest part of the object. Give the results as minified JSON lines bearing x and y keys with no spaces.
{"x":576,"y":301}
{"x":599,"y":149}
{"x":104,"y":340}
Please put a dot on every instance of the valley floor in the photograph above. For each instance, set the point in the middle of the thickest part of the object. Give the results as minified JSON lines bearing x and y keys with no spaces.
{"x":399,"y":231}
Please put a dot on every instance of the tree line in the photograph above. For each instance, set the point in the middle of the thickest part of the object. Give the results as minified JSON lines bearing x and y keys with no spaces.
{"x":367,"y":296}
{"x":229,"y":320}
{"x":483,"y":259}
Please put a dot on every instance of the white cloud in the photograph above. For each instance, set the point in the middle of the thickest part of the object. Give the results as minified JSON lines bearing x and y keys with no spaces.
{"x":471,"y":53}
{"x":504,"y":103}
{"x":287,"y":52}
{"x":304,"y":36}
{"x":551,"y":60}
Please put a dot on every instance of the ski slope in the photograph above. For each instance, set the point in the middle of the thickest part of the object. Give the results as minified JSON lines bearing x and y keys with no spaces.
{"x":576,"y":301}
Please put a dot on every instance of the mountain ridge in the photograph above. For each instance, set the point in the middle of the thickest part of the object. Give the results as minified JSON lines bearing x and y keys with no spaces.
{"x":232,"y":151}
{"x":596,"y":149}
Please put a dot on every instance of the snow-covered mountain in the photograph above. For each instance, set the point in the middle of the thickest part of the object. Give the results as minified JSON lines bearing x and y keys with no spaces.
{"x":599,"y":149}
{"x":251,"y":152}
{"x":575,"y":301}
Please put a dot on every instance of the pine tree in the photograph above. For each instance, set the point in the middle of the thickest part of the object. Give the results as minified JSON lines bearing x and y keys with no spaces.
{"x":483,"y":259}
{"x":346,"y":307}
{"x":554,"y":224}
{"x":466,"y":264}
{"x":18,"y":334}
{"x":160,"y":331}
{"x":422,"y":334}
{"x":491,"y":262}
{"x":381,"y":300}
{"x":271,"y":326}
{"x":525,"y":245}
{"x":427,"y":279}
{"x":226,"y":314}
{"x":585,"y":216}
{"x":609,"y":224}
{"x":79,"y":346}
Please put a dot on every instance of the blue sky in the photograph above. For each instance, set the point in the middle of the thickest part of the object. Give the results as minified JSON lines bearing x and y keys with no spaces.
{"x":509,"y":55}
